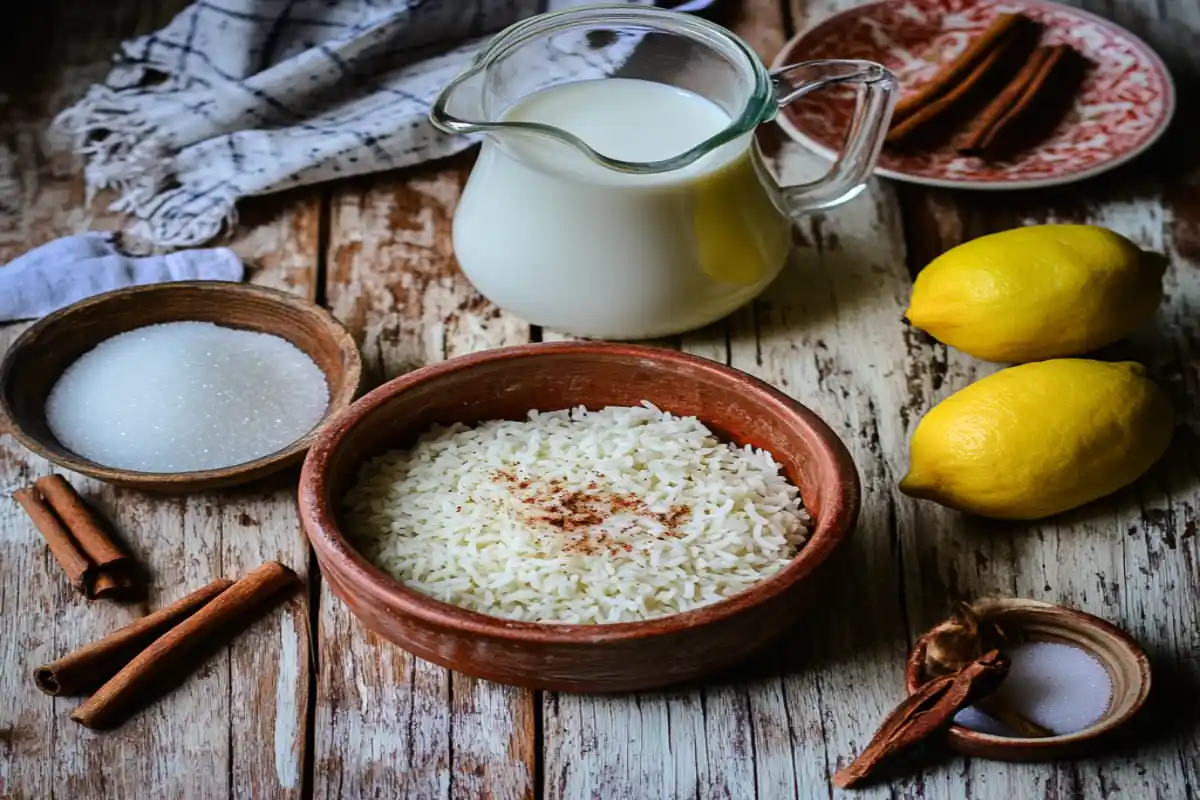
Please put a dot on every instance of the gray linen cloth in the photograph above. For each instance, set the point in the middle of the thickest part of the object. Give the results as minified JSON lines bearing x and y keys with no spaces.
{"x":246,"y":97}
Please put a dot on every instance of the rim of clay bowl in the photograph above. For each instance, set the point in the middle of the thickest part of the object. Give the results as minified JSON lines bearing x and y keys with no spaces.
{"x":319,"y":523}
{"x":196,"y":480}
{"x":1023,"y":748}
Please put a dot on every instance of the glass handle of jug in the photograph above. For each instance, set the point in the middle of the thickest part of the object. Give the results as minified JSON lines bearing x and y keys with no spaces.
{"x":876,"y":94}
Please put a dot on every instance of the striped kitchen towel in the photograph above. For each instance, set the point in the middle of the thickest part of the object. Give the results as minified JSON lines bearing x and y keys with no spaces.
{"x":244,"y":97}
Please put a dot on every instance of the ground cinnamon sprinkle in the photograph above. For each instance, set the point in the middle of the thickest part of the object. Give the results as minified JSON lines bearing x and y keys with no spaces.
{"x":580,"y":515}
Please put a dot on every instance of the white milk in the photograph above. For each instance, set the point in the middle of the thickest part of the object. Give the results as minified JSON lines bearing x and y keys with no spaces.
{"x":565,"y":243}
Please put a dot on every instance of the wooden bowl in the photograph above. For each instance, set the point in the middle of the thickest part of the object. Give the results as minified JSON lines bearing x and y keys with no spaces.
{"x":41,"y":354}
{"x":1126,"y":663}
{"x":506,"y":384}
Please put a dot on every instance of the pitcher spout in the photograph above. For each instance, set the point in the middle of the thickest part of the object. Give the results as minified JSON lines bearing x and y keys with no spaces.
{"x":462,"y":109}
{"x":466,"y":107}
{"x":458,"y":108}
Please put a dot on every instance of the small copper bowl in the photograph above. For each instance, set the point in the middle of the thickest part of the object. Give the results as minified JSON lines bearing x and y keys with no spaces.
{"x":1127,"y":665}
{"x":507,"y":383}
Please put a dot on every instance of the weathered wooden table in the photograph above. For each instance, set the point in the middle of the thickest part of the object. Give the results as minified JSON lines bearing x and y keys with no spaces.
{"x":307,"y":702}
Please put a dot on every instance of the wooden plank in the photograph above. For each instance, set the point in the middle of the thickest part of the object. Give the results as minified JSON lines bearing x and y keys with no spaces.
{"x":390,"y":725}
{"x":236,"y":728}
{"x":387,"y":723}
{"x":1165,"y":558}
{"x":829,"y":333}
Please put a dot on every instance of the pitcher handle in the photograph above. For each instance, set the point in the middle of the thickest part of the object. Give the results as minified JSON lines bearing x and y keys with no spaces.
{"x":872,"y":113}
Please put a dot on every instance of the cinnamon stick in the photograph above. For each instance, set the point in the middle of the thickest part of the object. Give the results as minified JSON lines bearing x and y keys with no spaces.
{"x":940,"y":105}
{"x":168,"y":655}
{"x":1018,"y":723}
{"x":960,"y":67}
{"x":111,"y":575}
{"x":925,"y":712}
{"x":62,"y":546}
{"x":1014,"y":101}
{"x":93,"y":664}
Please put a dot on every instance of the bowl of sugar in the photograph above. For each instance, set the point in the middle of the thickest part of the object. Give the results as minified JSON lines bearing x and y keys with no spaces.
{"x":179,"y":387}
{"x":1074,"y":680}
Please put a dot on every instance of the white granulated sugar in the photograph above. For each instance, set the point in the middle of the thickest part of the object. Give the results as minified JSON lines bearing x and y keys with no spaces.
{"x":578,"y":517}
{"x":1058,"y":686}
{"x":186,"y":396}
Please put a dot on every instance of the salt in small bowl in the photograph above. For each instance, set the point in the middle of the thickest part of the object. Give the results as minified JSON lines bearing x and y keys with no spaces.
{"x":1123,"y":659}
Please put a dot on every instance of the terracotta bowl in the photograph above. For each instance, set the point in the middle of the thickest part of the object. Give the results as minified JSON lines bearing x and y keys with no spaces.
{"x":40,"y":355}
{"x":1126,"y":663}
{"x":506,"y":384}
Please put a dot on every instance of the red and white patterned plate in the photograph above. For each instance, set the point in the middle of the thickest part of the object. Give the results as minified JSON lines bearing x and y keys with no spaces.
{"x":1123,"y":106}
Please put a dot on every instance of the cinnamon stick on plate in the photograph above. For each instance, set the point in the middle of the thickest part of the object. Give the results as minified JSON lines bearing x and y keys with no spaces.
{"x":93,"y":664}
{"x":983,"y":68}
{"x":92,"y":563}
{"x":958,"y":69}
{"x":1035,"y":80}
{"x":169,"y":654}
{"x":928,"y":111}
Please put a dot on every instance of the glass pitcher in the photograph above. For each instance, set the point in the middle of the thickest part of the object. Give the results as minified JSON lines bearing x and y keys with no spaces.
{"x":619,"y":192}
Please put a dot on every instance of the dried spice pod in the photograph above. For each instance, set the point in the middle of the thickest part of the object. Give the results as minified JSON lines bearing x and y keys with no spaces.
{"x":924,"y":713}
{"x":1025,"y":621}
{"x":972,"y":631}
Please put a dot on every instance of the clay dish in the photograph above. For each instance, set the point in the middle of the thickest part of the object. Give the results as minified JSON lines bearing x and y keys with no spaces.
{"x":40,"y":355}
{"x":506,"y":384}
{"x":1122,"y":657}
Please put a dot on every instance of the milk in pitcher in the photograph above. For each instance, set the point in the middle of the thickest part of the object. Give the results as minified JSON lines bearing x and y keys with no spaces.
{"x":609,"y":254}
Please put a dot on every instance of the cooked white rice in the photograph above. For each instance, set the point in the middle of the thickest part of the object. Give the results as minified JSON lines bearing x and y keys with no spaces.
{"x":577,"y":516}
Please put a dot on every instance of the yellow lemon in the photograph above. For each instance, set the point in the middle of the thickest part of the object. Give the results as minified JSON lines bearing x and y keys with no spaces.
{"x":1038,"y":292}
{"x":1037,"y":439}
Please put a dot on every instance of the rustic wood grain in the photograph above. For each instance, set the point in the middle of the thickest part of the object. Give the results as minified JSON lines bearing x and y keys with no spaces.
{"x":387,"y":723}
{"x":236,"y":727}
